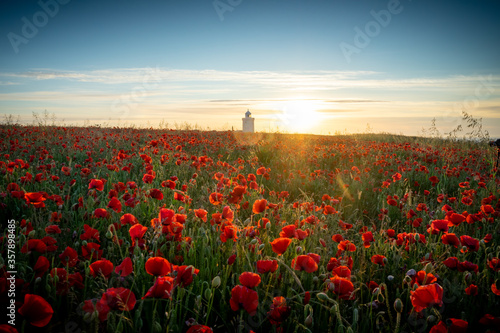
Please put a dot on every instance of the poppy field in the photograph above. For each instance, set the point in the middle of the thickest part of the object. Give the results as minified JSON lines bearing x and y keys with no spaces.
{"x":148,"y":230}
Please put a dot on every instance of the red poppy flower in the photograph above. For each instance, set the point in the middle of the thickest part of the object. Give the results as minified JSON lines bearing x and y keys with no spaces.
{"x":162,"y":288}
{"x":166,"y":216}
{"x":455,"y":219}
{"x":89,"y":233}
{"x":249,"y":279}
{"x":367,"y":239}
{"x":261,"y":171}
{"x":342,"y":271}
{"x":259,"y":206}
{"x":467,"y":201}
{"x":280,"y":245}
{"x":452,"y":325}
{"x":495,"y":289}
{"x":125,"y":268}
{"x":342,"y":287}
{"x":35,"y":198}
{"x":158,"y":266}
{"x":184,"y":275}
{"x":438,"y":226}
{"x":470,"y":243}
{"x":434,"y":180}
{"x":216,"y":198}
{"x":101,"y":267}
{"x":451,"y":262}
{"x":100,"y":213}
{"x":304,"y":263}
{"x":450,"y":239}
{"x":97,"y":184}
{"x":289,"y":231}
{"x":41,"y":267}
{"x":231,"y":259}
{"x":91,"y":250}
{"x":5,"y":328}
{"x":427,"y":295}
{"x":36,"y":310}
{"x":487,"y":209}
{"x":279,"y":311}
{"x":229,"y":232}
{"x":136,"y":232}
{"x":34,"y":245}
{"x":199,"y":329}
{"x":471,"y":290}
{"x":423,"y":278}
{"x":346,"y":245}
{"x":156,"y":194}
{"x":264,"y":266}
{"x":115,"y":299}
{"x":378,"y":259}
{"x":201,"y":213}
{"x":494,"y":264}
{"x":115,"y":205}
{"x":69,"y":257}
{"x":337,"y":238}
{"x":247,"y":298}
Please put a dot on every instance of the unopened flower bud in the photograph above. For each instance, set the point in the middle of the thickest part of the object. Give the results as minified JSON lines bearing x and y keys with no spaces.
{"x":309,"y":320}
{"x":398,"y":305}
{"x":322,"y":297}
{"x":216,"y":282}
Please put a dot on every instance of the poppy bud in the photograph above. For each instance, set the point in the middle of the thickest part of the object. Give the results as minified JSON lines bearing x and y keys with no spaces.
{"x":254,"y":241}
{"x":309,"y":320}
{"x":315,"y":279}
{"x":468,"y":278}
{"x":87,"y":317}
{"x":431,"y":319}
{"x":261,"y":247}
{"x":298,"y":249}
{"x":109,"y":234}
{"x":216,"y":282}
{"x":390,"y":278}
{"x":323,"y":297}
{"x":428,"y":268}
{"x":207,"y":294}
{"x":355,"y":316}
{"x":84,"y":243}
{"x":308,"y":310}
{"x":408,"y":279}
{"x":268,"y":225}
{"x":38,"y":280}
{"x":417,"y":237}
{"x":385,"y":261}
{"x":32,"y":234}
{"x":398,"y":305}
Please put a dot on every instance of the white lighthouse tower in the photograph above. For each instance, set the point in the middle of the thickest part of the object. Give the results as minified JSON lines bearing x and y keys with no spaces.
{"x":248,"y":122}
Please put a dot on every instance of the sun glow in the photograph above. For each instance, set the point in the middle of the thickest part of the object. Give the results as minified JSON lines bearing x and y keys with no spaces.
{"x":300,"y":115}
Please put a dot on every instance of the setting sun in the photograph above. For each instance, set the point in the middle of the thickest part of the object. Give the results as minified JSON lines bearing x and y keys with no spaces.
{"x":300,"y":115}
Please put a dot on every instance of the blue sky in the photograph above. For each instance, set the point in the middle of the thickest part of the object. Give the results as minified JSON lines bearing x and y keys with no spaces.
{"x":301,"y":66}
